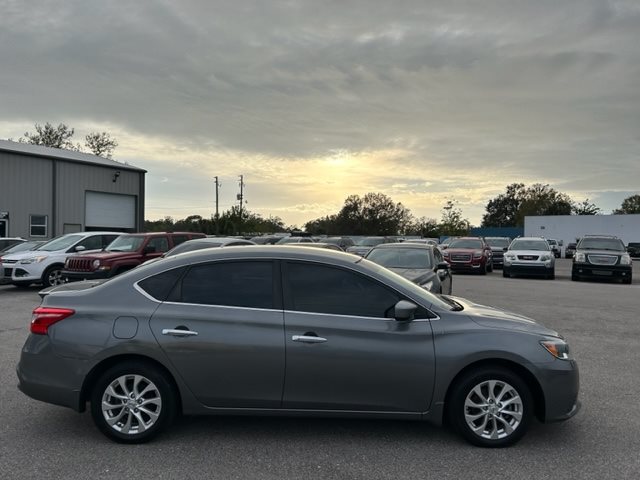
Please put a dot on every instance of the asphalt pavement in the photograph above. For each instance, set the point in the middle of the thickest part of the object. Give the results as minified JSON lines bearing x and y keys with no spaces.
{"x":600,"y":321}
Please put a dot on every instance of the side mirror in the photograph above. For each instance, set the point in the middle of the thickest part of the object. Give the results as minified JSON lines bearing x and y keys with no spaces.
{"x":80,"y":248}
{"x":404,"y":310}
{"x":149,"y":249}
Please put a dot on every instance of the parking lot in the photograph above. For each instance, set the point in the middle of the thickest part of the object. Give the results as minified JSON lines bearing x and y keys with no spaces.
{"x":600,"y":321}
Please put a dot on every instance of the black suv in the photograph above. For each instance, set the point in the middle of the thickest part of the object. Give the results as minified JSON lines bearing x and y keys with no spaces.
{"x":600,"y":256}
{"x":498,"y":245}
{"x":633,"y":249}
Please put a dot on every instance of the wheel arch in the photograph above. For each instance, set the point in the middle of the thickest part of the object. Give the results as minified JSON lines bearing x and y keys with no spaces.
{"x":516,"y":368}
{"x":95,"y":373}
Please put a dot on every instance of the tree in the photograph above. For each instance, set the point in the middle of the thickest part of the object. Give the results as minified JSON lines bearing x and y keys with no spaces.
{"x":425,"y":227}
{"x":629,"y":205}
{"x":50,"y":136}
{"x":98,"y":143}
{"x":585,"y":208}
{"x":452,"y":222}
{"x":101,"y":144}
{"x":510,"y":209}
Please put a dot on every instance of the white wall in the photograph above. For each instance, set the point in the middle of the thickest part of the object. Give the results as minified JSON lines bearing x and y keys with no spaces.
{"x":569,"y":227}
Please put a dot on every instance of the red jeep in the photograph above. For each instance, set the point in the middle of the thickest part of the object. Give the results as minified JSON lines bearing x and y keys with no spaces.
{"x":124,"y":253}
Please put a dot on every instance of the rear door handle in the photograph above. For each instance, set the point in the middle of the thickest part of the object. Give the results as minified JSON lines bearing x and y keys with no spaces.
{"x":176,"y":332}
{"x":308,"y":339}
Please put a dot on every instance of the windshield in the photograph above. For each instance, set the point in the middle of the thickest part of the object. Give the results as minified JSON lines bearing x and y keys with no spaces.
{"x":370,"y":241}
{"x":21,"y":247}
{"x":419,"y":293}
{"x":552,"y":242}
{"x":540,"y":245}
{"x":613,"y":244}
{"x":497,"y":242}
{"x":401,"y":257}
{"x":466,"y":243}
{"x":126,"y":243}
{"x":60,"y":243}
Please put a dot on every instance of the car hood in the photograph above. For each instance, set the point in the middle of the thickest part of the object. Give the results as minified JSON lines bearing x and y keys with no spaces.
{"x":463,"y":250}
{"x":27,"y":254}
{"x":495,"y":318}
{"x":416,"y":275}
{"x":100,"y":255}
{"x":538,"y":253}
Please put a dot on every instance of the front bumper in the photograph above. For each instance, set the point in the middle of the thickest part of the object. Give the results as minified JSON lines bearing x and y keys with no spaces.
{"x":74,"y":276}
{"x":528,"y":268}
{"x":21,"y":272}
{"x":471,"y":266}
{"x":587,"y":270}
{"x":560,"y":383}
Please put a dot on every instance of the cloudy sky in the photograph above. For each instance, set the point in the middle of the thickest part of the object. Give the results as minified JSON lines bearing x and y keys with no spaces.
{"x":424,"y":100}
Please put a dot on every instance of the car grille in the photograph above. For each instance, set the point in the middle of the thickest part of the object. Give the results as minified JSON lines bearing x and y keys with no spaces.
{"x":8,"y":272}
{"x":458,"y":257}
{"x":602,"y":259}
{"x":528,"y":257}
{"x":79,"y":264}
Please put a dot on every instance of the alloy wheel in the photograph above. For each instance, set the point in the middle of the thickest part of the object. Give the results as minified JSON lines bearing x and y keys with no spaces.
{"x":493,"y":409}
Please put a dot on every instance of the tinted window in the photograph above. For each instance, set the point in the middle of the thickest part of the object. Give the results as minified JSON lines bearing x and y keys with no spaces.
{"x":178,"y":239}
{"x":159,"y":286}
{"x":613,"y":244}
{"x":236,"y":284}
{"x":322,"y":289}
{"x":160,"y":244}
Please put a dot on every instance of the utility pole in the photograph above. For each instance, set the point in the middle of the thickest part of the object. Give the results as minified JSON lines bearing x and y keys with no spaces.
{"x":217,"y":212}
{"x":241,"y":194}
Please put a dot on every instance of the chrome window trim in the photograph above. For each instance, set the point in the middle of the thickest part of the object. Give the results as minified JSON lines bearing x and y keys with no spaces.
{"x":358,"y":317}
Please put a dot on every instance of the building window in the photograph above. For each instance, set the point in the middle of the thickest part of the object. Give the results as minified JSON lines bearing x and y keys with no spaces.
{"x":37,"y":225}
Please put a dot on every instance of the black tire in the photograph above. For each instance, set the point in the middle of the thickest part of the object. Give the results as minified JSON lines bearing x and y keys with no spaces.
{"x":628,"y":281}
{"x":52,"y":276}
{"x":574,"y":277}
{"x":505,"y":273}
{"x":161,"y":398}
{"x":552,"y":275}
{"x":483,"y":270}
{"x":490,"y":269}
{"x":518,"y":414}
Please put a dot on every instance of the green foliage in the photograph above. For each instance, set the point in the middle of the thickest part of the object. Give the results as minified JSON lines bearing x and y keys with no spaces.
{"x":230,"y":222}
{"x":509,"y":209}
{"x":585,"y":208}
{"x":101,"y":144}
{"x":629,"y":205}
{"x":452,"y":222}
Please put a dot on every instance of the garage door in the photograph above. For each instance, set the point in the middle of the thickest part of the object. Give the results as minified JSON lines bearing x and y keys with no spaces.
{"x":108,"y":210}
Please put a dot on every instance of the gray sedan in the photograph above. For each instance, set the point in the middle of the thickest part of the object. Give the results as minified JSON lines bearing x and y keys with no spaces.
{"x":423,"y":264}
{"x":210,"y":332}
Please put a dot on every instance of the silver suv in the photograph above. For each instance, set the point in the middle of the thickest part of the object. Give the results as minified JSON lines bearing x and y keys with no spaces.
{"x":529,"y":256}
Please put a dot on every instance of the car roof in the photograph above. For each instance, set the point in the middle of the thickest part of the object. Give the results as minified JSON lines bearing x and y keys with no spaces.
{"x":219,"y":240}
{"x":423,"y":246}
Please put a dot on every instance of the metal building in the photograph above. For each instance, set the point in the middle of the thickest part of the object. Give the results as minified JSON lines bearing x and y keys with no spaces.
{"x":45,"y":192}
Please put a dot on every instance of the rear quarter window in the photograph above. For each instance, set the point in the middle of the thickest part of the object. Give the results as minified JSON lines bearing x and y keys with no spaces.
{"x":159,"y":286}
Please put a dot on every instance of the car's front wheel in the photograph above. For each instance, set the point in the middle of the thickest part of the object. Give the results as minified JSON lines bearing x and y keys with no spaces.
{"x":491,"y":407}
{"x":52,"y":276}
{"x":132,"y":402}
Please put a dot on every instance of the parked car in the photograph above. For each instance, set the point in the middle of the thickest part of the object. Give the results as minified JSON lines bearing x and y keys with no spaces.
{"x":570,"y":250}
{"x":421,"y":263}
{"x":266,"y":239}
{"x":633,"y":249}
{"x":6,"y":242}
{"x":45,"y":264}
{"x":423,"y":241}
{"x":497,"y":245}
{"x":16,"y":248}
{"x":342,"y":242}
{"x":470,"y":254}
{"x":206,"y":333}
{"x":126,"y":252}
{"x":555,"y":247}
{"x":363,"y":245}
{"x":601,"y":257}
{"x":202,"y":243}
{"x":529,"y":256}
{"x":286,"y":240}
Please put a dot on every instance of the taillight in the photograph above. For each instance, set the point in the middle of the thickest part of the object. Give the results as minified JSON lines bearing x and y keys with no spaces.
{"x":44,"y":317}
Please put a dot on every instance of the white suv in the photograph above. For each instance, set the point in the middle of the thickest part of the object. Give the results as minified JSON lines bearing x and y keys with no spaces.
{"x":529,"y":256}
{"x":44,"y":265}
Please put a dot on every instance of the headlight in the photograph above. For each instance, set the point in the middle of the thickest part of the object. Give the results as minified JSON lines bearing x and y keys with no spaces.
{"x":579,"y":257}
{"x":32,"y":260}
{"x":445,"y":253}
{"x":509,"y":256}
{"x":95,"y":264}
{"x":544,"y":258}
{"x":557,"y":347}
{"x":427,"y":286}
{"x":625,"y":259}
{"x":478,"y":254}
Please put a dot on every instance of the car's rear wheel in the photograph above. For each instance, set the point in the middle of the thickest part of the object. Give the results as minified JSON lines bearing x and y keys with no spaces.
{"x":132,"y":402}
{"x":52,"y":276}
{"x":491,"y":407}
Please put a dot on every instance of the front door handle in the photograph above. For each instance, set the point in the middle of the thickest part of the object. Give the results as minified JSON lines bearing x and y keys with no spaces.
{"x":177,"y":332}
{"x":308,"y":339}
